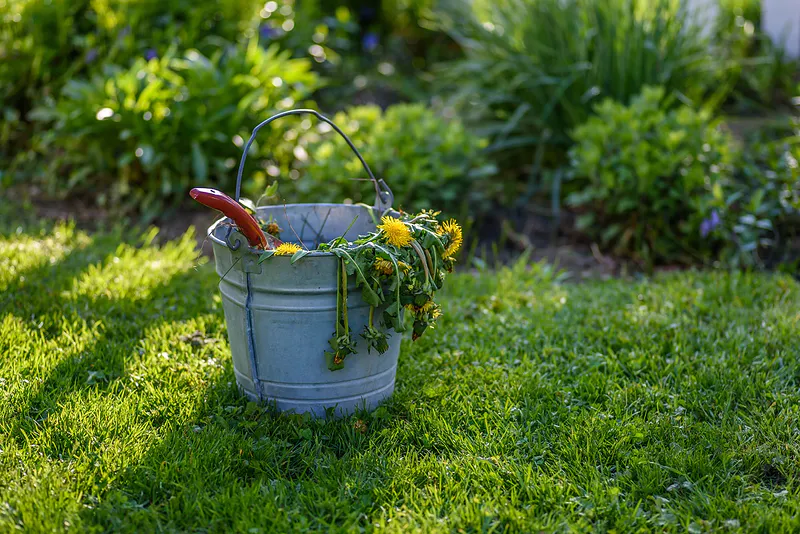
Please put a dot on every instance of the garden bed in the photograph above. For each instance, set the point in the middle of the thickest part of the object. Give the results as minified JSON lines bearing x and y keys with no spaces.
{"x":668,"y":403}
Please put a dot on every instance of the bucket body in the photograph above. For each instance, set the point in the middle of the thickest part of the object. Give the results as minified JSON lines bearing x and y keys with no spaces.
{"x":280,"y":315}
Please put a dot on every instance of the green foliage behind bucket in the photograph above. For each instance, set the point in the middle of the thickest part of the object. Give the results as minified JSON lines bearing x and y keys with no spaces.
{"x":143,"y":135}
{"x":644,"y":178}
{"x":535,"y":68}
{"x":430,"y":161}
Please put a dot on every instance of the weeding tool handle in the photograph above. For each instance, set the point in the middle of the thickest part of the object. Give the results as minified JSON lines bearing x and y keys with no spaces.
{"x":383,"y":195}
{"x":246,"y":223}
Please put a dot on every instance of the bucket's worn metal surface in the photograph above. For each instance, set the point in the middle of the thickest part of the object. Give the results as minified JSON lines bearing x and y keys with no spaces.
{"x":287,"y":312}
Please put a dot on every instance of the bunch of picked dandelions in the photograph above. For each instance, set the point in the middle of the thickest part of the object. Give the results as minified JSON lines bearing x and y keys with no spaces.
{"x":399,"y":267}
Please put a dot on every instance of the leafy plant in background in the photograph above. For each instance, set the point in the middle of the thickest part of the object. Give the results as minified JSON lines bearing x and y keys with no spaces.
{"x":370,"y":50}
{"x":767,"y":81}
{"x":644,"y":178}
{"x":426,"y":159}
{"x":406,"y":41}
{"x":141,"y":136}
{"x":46,"y":43}
{"x":764,"y":75}
{"x":43,"y":43}
{"x":762,"y":202}
{"x":737,"y":23}
{"x":37,"y":46}
{"x":534,"y":68}
{"x":308,"y":30}
{"x":100,"y":74}
{"x":36,"y":50}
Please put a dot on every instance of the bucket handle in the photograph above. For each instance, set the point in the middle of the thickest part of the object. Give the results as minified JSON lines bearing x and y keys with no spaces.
{"x":383,"y":195}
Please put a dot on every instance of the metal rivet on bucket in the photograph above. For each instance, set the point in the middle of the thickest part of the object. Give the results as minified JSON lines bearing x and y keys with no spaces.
{"x":280,"y":315}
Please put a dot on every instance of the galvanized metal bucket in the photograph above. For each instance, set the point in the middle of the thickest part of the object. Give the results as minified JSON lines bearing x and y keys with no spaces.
{"x":280,"y":315}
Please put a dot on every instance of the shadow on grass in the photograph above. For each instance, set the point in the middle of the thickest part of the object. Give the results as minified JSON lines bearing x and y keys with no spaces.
{"x":42,"y":298}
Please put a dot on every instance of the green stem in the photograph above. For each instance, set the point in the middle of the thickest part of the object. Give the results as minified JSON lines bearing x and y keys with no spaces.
{"x":418,"y":249}
{"x":344,"y":298}
{"x":397,"y":288}
{"x":339,"y":303}
{"x":371,"y":315}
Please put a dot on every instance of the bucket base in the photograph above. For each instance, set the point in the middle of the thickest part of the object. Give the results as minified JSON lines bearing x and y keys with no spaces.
{"x":342,"y":407}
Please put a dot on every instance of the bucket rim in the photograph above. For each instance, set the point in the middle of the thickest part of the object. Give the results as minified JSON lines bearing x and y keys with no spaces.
{"x":257,"y":252}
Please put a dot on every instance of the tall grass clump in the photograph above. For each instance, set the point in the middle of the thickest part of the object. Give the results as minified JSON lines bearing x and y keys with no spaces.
{"x":533,"y":69}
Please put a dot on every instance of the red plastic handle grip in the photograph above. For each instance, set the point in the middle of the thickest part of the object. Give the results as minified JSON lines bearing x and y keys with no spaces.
{"x":246,"y":223}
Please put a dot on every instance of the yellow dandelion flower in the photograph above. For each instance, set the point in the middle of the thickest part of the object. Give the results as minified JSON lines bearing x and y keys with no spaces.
{"x":452,"y":230}
{"x":404,"y":266}
{"x":395,"y":231}
{"x":384,"y":266}
{"x":428,"y":306}
{"x":436,"y":314}
{"x":286,"y":249}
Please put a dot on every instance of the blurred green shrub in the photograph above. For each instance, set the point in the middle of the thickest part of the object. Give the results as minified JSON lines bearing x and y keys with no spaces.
{"x":737,"y":23}
{"x":36,"y":50}
{"x":427,"y":160}
{"x":373,"y":51}
{"x":140,"y":136}
{"x":534,"y":68}
{"x":307,"y":28}
{"x":664,"y":186}
{"x":45,"y":42}
{"x":644,"y":179}
{"x":762,"y":74}
{"x":37,"y":45}
{"x":762,"y":202}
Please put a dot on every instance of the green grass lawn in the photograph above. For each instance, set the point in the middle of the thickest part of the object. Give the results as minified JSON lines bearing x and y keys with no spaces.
{"x":670,"y":404}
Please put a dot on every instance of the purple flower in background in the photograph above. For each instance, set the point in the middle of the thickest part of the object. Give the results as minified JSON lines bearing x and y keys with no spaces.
{"x":266,"y":32}
{"x":150,"y":54}
{"x":91,"y":55}
{"x":709,"y":224}
{"x":370,"y":42}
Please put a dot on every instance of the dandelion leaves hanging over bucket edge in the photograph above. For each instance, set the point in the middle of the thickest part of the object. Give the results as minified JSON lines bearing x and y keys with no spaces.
{"x":398,"y":267}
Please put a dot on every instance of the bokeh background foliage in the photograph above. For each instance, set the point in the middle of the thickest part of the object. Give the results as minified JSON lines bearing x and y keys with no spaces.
{"x":487,"y":109}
